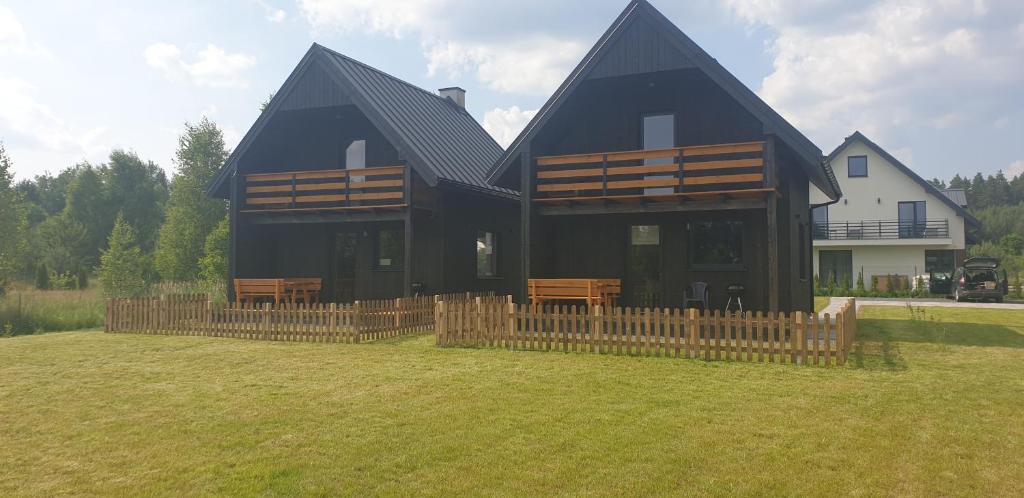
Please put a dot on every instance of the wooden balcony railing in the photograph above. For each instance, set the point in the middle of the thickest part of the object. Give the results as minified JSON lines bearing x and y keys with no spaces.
{"x":722,"y":169}
{"x":326,"y":190}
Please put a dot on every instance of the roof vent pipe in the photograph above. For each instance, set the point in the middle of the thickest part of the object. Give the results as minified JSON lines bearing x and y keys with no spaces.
{"x":456,"y":94}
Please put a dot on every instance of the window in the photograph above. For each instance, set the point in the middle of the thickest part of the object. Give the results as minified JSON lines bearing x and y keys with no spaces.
{"x":820,"y":217}
{"x":659,"y":132}
{"x":913,"y":219}
{"x":486,"y":255}
{"x":716,"y":245}
{"x":390,"y":249}
{"x":643,"y":271}
{"x":857,"y":166}
{"x":355,"y":157}
{"x":835,"y":266}
{"x":939,"y":263}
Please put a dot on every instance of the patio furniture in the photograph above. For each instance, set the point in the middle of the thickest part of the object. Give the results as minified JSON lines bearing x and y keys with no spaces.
{"x":698,"y":293}
{"x":595,"y":291}
{"x":250,"y":289}
{"x":735,"y":292}
{"x":306,"y":289}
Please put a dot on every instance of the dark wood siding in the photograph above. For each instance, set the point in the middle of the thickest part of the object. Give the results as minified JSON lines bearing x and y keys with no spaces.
{"x":641,"y":48}
{"x":314,"y":89}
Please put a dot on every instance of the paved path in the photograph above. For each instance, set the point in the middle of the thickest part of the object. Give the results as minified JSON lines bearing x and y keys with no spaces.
{"x":836,"y":302}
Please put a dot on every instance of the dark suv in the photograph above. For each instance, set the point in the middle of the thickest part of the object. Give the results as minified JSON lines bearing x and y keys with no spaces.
{"x":980,"y":278}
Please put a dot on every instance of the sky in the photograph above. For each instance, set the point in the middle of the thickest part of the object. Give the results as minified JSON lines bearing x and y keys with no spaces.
{"x":938,"y":83}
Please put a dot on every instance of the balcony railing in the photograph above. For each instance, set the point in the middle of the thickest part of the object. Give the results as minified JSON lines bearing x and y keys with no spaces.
{"x":326,"y":190}
{"x":681,"y":171}
{"x":881,"y":230}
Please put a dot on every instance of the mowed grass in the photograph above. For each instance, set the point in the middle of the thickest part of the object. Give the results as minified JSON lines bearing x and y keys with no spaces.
{"x":931,"y":406}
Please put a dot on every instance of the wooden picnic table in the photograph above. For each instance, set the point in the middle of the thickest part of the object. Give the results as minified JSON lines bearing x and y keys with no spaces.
{"x":278,"y":289}
{"x":594,"y":291}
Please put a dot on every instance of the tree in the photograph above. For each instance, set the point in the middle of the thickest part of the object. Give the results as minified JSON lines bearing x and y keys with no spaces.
{"x":13,"y":221}
{"x":214,"y":264}
{"x":139,"y":190}
{"x":939,"y":184}
{"x":88,"y":207}
{"x":122,"y":265}
{"x":63,"y":244}
{"x":1012,"y":244}
{"x":191,"y":215}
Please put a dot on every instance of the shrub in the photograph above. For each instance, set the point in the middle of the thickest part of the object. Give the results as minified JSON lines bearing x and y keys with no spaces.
{"x":860,"y":282}
{"x":42,"y":277}
{"x":122,"y":266}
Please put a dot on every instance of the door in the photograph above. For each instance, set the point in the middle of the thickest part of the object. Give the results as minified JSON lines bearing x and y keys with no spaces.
{"x":659,"y":132}
{"x":913,"y":218}
{"x":344,"y":271}
{"x":643,"y":270}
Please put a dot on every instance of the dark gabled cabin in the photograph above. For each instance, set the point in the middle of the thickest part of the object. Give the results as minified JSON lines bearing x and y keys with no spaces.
{"x":371,"y":184}
{"x":654,"y":165}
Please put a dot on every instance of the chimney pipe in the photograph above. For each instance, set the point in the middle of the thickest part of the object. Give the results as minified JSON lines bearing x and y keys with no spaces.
{"x":456,"y":94}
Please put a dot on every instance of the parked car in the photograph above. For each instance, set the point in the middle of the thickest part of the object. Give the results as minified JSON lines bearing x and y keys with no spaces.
{"x":980,"y":278}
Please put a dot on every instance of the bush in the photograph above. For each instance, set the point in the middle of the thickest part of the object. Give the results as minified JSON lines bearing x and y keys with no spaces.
{"x":42,"y":277}
{"x":122,"y":266}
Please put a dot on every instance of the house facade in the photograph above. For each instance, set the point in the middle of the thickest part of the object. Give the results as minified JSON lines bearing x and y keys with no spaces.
{"x":652,"y":164}
{"x":891,"y":224}
{"x":370,"y":184}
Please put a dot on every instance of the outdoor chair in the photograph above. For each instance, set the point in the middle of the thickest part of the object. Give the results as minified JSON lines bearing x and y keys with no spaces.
{"x":698,"y":293}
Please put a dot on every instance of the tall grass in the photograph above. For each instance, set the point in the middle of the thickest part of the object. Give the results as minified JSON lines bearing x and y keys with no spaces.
{"x":29,"y":311}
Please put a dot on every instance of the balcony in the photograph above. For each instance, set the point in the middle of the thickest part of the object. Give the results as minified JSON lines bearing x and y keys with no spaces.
{"x":881,"y":230}
{"x":708,"y":172}
{"x":322,"y":191}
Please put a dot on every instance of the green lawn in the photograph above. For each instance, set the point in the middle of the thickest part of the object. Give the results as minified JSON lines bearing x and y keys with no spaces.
{"x":932,"y":406}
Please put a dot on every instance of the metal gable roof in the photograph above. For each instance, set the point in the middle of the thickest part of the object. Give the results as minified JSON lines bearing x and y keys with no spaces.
{"x":817,"y":169}
{"x":437,"y":137}
{"x":928,"y":187}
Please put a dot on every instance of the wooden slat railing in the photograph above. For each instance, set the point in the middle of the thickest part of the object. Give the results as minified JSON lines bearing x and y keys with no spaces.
{"x":797,"y":338}
{"x":675,"y":171}
{"x":336,"y":189}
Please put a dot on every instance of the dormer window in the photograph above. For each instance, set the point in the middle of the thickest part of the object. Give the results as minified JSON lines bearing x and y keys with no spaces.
{"x":857,"y":166}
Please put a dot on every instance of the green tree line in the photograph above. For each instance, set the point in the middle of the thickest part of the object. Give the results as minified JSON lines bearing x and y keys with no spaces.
{"x":121,"y":220}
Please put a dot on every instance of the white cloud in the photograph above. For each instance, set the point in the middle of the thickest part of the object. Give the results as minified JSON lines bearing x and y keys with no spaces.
{"x":1015,"y":169}
{"x":505,"y":59}
{"x":884,"y":65}
{"x":273,"y":14}
{"x":505,"y":124}
{"x":13,"y":37}
{"x":533,"y":67}
{"x":213,"y":67}
{"x":25,"y":120}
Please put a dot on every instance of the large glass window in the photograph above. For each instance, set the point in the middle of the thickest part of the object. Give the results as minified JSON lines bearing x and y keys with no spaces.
{"x":939,"y":263}
{"x":820,"y":217}
{"x":716,"y":244}
{"x":857,"y":166}
{"x":355,"y":157}
{"x":486,"y":254}
{"x":644,"y":271}
{"x":913,"y":219}
{"x":390,"y":249}
{"x":836,"y":266}
{"x":659,"y":133}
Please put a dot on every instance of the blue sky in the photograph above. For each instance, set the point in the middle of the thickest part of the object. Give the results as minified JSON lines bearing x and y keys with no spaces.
{"x":936,"y":82}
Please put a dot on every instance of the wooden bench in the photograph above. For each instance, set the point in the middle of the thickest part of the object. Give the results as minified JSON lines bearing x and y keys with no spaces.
{"x":249,"y":289}
{"x":594,"y":291}
{"x":306,"y":288}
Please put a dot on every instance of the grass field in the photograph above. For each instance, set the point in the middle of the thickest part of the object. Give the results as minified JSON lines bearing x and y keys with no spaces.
{"x":29,"y":311}
{"x":928,"y":406}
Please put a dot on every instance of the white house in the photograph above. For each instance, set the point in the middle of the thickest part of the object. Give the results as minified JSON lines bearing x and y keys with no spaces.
{"x":890,"y":222}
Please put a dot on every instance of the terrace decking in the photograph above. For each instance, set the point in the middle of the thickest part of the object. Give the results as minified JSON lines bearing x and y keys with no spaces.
{"x":335,"y":190}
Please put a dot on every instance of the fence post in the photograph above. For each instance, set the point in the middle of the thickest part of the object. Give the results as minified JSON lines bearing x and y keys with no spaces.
{"x":107,"y":316}
{"x":357,"y":320}
{"x":799,"y":353}
{"x":512,"y":332}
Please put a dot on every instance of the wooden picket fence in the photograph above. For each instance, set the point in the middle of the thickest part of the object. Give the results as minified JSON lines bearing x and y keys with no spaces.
{"x":797,"y":338}
{"x":356,"y":322}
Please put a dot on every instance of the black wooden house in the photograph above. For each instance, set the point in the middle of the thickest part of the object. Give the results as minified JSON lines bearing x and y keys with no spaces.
{"x":371,"y":184}
{"x":653,"y":164}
